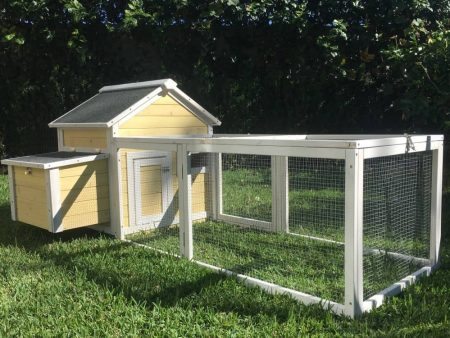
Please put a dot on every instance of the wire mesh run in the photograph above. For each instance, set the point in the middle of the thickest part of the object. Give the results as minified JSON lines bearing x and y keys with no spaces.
{"x":245,"y":240}
{"x":396,"y":226}
{"x":316,"y":198}
{"x":246,"y":186}
{"x":282,"y":219}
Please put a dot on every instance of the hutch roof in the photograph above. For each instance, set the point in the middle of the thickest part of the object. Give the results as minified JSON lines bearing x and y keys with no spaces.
{"x":113,"y":103}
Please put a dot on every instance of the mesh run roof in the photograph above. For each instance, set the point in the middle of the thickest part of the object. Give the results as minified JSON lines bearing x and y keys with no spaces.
{"x":104,"y":106}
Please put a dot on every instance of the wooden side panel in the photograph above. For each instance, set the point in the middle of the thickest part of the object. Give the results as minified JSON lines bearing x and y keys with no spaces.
{"x":84,"y":194}
{"x":93,"y":138}
{"x":163,"y":117}
{"x":31,"y":197}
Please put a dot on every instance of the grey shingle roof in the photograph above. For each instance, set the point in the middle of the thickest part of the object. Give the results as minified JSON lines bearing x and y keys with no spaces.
{"x":104,"y":106}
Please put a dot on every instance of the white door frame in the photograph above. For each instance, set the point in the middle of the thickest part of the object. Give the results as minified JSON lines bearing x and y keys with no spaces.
{"x":134,"y":161}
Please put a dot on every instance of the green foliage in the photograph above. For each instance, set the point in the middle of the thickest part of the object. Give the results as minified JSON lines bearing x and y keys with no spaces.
{"x":261,"y":66}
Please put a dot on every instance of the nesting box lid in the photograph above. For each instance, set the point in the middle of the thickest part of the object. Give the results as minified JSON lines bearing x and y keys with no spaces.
{"x":53,"y":160}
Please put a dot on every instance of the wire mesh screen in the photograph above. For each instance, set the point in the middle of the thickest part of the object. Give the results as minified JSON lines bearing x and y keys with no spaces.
{"x":244,"y":240}
{"x":396,"y":221}
{"x":316,"y":197}
{"x":246,"y":186}
{"x":150,"y":194}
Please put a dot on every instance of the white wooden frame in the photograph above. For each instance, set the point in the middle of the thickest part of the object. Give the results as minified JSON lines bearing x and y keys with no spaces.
{"x":134,"y":161}
{"x":12,"y":192}
{"x":352,"y":149}
{"x":52,"y":182}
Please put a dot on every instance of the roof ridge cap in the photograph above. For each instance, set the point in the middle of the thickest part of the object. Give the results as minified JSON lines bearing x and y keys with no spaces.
{"x":165,"y":83}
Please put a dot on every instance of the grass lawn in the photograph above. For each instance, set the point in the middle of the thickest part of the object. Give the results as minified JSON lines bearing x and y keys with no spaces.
{"x":80,"y":283}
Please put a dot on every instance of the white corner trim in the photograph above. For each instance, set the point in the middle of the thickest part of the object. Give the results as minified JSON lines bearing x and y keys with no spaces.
{"x":115,"y":186}
{"x":60,"y":135}
{"x":52,"y":183}
{"x":12,"y":192}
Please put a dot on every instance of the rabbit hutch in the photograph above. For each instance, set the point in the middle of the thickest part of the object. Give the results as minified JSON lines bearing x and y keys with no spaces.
{"x":338,"y":220}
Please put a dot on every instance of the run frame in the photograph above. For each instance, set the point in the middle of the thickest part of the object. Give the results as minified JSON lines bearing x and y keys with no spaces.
{"x":351,"y":148}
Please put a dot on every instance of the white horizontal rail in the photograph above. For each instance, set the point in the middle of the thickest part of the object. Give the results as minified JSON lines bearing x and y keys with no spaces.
{"x":378,"y":299}
{"x":246,"y":222}
{"x":266,"y":286}
{"x":400,"y":149}
{"x":309,"y":141}
{"x":276,"y":289}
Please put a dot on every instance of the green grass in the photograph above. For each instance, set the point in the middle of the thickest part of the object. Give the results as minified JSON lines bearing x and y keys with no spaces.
{"x":291,"y":261}
{"x":80,"y":283}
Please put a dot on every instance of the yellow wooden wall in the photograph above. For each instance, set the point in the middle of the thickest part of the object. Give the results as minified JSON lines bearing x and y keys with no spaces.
{"x":84,"y":194}
{"x":94,"y":138}
{"x":31,"y":197}
{"x":163,"y":117}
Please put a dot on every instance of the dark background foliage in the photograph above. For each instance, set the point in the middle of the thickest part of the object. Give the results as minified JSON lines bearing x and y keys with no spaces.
{"x":331,"y":66}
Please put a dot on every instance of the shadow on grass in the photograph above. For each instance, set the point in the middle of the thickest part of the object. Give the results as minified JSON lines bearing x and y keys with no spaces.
{"x":142,"y":275}
{"x":148,"y":277}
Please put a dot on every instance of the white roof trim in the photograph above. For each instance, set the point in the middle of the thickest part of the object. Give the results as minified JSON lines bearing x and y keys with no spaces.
{"x":134,"y":107}
{"x":168,"y":83}
{"x":56,"y":164}
{"x":194,"y":107}
{"x":80,"y":125}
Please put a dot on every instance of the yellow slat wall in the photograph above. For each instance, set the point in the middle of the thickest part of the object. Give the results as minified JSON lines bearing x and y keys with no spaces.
{"x":163,"y":117}
{"x":94,"y":138}
{"x":84,"y":194}
{"x":31,"y":197}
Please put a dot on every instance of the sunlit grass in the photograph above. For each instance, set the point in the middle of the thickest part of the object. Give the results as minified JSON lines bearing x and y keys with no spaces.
{"x":80,"y":283}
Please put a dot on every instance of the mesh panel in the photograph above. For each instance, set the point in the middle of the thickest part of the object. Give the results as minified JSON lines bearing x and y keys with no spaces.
{"x":397,"y":206}
{"x":244,"y":240}
{"x":150,"y":188}
{"x":316,"y":197}
{"x":246,"y":188}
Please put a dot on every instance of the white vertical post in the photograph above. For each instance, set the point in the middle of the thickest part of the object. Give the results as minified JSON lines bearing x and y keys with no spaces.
{"x":52,"y":182}
{"x":284,"y":192}
{"x":354,"y":170}
{"x":219,"y":199}
{"x":212,"y":158}
{"x":185,"y":201}
{"x":276,"y":220}
{"x":115,"y":185}
{"x":280,"y":194}
{"x":12,"y":192}
{"x":436,"y":204}
{"x":60,"y":134}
